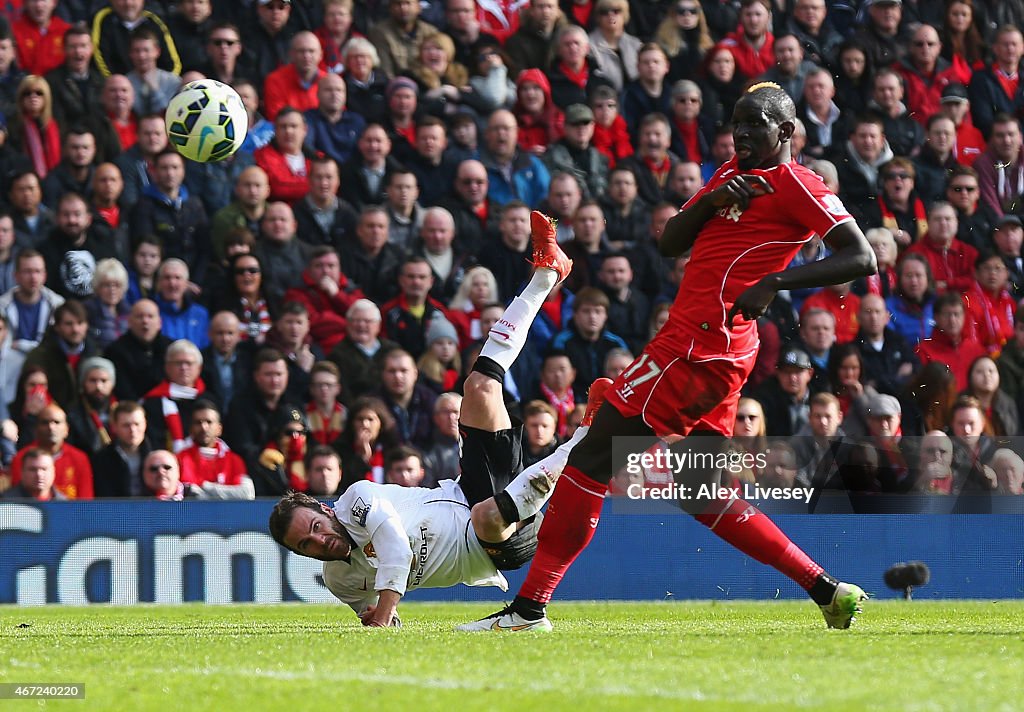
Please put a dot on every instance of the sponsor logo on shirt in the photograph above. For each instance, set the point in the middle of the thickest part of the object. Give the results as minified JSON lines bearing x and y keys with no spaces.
{"x":733,"y":213}
{"x":834,"y":205}
{"x":360,"y":510}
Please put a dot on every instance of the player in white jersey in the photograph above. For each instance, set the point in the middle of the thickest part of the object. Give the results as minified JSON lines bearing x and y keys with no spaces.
{"x":380,"y":541}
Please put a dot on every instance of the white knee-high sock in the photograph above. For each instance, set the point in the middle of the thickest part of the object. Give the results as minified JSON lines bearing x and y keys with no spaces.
{"x":508,"y":335}
{"x":527,"y":498}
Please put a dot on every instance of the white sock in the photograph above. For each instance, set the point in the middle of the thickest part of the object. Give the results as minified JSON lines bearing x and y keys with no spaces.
{"x":527,"y":498}
{"x":508,"y":335}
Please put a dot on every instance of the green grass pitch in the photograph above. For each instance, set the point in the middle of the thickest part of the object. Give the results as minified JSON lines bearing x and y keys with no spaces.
{"x":746,"y":656}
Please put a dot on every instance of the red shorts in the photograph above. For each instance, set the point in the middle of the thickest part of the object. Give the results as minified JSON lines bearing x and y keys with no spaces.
{"x":679,"y":393}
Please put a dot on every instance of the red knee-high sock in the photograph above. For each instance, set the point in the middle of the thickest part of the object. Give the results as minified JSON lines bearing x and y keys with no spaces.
{"x":569,"y":525}
{"x":752,"y":532}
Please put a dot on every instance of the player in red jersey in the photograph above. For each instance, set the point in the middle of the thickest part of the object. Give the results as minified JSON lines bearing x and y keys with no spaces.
{"x":743,"y":228}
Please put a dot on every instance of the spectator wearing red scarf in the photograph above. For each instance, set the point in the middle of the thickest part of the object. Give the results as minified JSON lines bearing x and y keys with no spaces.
{"x":170,"y":403}
{"x":208,"y":465}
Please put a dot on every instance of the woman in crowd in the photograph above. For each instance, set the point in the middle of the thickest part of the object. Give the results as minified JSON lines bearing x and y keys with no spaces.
{"x":440,"y":78}
{"x":364,"y":82}
{"x":107,"y":308}
{"x":146,"y":259}
{"x":845,"y":373}
{"x":491,"y":87}
{"x":245,"y":297}
{"x":478,"y":289}
{"x":913,"y":303}
{"x":927,"y":400}
{"x":33,"y":395}
{"x":749,"y":437}
{"x":883,"y":283}
{"x":853,"y":78}
{"x":614,"y":49}
{"x":999,"y":409}
{"x":541,"y":123}
{"x":719,"y":83}
{"x":962,"y":43}
{"x":32,"y":129}
{"x":684,"y":36}
{"x":370,"y":432}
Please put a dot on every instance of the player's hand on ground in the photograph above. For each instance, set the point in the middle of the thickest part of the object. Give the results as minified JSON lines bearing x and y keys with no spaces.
{"x":752,"y":303}
{"x":370,"y":619}
{"x":739,"y":190}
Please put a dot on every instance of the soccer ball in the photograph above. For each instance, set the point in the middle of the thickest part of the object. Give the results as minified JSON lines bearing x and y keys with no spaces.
{"x":206,"y":121}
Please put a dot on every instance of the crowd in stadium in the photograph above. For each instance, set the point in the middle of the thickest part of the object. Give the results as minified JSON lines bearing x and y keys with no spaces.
{"x":302,"y":314}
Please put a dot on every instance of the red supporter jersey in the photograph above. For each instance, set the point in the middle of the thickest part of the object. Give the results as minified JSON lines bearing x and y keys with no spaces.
{"x":737,"y":248}
{"x":218,"y":465}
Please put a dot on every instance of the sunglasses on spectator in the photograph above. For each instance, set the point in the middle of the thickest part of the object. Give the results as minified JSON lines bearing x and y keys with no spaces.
{"x":963,"y":188}
{"x":160,"y":468}
{"x":33,"y":92}
{"x":247,"y":270}
{"x":224,"y":43}
{"x":300,"y":431}
{"x":746,"y":416}
{"x":686,"y":10}
{"x":611,"y":11}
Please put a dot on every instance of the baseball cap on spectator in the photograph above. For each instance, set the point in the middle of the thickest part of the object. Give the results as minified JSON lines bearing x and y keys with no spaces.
{"x":1008,"y":219}
{"x":881,"y":405}
{"x":794,"y":358}
{"x":287,"y":417}
{"x":954,"y":92}
{"x":440,"y":328}
{"x":578,"y":114}
{"x":95,"y":362}
{"x":401,"y":83}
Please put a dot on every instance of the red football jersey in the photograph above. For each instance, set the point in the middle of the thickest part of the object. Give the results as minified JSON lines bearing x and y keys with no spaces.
{"x":736,"y":248}
{"x":219,"y":465}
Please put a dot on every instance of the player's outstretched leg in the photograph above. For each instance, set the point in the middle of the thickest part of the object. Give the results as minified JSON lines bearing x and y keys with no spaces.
{"x":508,"y":335}
{"x":530,"y":490}
{"x":525,"y":495}
{"x":751,"y":531}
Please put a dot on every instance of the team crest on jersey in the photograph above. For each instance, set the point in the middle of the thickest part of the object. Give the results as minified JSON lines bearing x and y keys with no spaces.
{"x":360,"y":510}
{"x":369,"y":552}
{"x":732,"y":212}
{"x":833,"y":204}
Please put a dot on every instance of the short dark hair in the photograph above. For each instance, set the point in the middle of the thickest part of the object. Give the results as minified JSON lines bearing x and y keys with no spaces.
{"x":34,"y":453}
{"x":125,"y":407}
{"x":402,"y":452}
{"x":949,"y":299}
{"x":205,"y":404}
{"x":27,"y":255}
{"x":777,"y":104}
{"x":72,"y":308}
{"x":284,"y":510}
{"x":321,"y":251}
{"x":79,"y":28}
{"x":292,"y":308}
{"x":143,"y":32}
{"x":266,"y":355}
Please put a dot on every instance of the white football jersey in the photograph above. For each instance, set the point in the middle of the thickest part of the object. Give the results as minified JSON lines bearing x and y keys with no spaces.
{"x":407,"y":538}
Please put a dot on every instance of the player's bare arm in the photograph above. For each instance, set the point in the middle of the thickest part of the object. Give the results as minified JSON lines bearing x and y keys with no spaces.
{"x":852,"y":258}
{"x":682,"y":229}
{"x":385,"y":613}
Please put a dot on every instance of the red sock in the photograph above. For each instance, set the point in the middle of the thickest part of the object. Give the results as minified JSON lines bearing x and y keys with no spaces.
{"x":569,"y":524}
{"x":752,"y":532}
